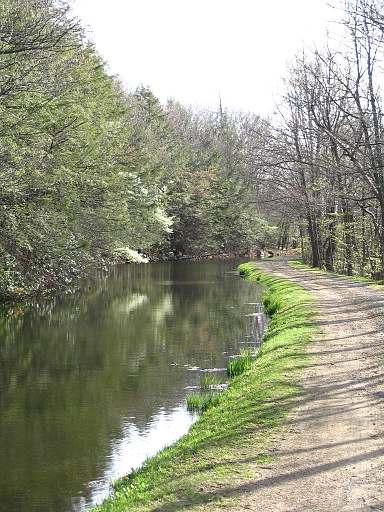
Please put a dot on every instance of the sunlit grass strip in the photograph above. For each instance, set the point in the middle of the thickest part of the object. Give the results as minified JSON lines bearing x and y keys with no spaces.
{"x":222,"y":447}
{"x":300,"y":265}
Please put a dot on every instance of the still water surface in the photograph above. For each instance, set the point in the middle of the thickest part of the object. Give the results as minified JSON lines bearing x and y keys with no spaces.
{"x":91,"y":384}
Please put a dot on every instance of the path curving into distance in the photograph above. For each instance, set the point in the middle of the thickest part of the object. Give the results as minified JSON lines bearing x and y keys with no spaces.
{"x":330,"y":456}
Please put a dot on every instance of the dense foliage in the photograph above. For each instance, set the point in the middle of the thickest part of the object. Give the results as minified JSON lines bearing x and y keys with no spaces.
{"x":87,"y":169}
{"x":90,"y":172}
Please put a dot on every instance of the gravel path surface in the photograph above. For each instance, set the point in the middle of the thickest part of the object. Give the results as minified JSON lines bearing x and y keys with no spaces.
{"x":331,"y":456}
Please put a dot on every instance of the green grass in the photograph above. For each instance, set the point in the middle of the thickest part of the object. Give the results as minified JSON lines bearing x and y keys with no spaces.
{"x":208,"y":396}
{"x":200,"y":402}
{"x":238,"y":365}
{"x":299,"y":264}
{"x":224,"y":447}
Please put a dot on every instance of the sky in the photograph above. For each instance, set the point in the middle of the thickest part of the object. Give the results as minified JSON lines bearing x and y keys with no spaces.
{"x":196,"y":51}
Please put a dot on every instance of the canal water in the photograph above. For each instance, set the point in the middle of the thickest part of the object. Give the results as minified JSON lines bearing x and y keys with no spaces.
{"x":93,"y":383}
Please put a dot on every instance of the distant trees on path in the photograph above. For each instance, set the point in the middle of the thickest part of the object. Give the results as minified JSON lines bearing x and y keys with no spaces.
{"x":325,"y":160}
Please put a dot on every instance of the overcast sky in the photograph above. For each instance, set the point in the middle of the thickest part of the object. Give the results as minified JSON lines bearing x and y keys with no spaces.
{"x":196,"y":50}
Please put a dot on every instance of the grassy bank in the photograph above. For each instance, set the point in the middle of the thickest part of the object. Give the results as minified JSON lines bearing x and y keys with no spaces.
{"x":300,"y":265}
{"x":231,"y":438}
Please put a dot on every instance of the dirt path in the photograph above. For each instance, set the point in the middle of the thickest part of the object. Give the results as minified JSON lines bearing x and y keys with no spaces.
{"x":331,"y":457}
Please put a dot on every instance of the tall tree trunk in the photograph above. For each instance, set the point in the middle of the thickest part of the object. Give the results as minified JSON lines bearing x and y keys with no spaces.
{"x":314,"y":241}
{"x":331,"y":242}
{"x":382,"y":239}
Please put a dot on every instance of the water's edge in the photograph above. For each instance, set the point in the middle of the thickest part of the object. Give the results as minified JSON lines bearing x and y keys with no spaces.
{"x":223,"y":447}
{"x":95,"y":382}
{"x":121,"y":482}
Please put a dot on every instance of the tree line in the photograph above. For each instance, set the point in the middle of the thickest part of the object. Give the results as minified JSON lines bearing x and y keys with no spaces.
{"x":325,"y":160}
{"x":89,"y":171}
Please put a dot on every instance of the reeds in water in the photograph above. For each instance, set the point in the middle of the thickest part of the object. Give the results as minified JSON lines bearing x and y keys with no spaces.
{"x":211,"y":385}
{"x":239,"y":364}
{"x":209,"y":394}
{"x":200,"y":402}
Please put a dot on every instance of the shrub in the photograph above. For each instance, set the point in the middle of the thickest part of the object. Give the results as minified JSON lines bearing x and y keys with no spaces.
{"x":128,"y":255}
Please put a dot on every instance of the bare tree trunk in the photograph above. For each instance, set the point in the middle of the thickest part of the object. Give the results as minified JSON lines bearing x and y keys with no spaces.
{"x":314,"y":241}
